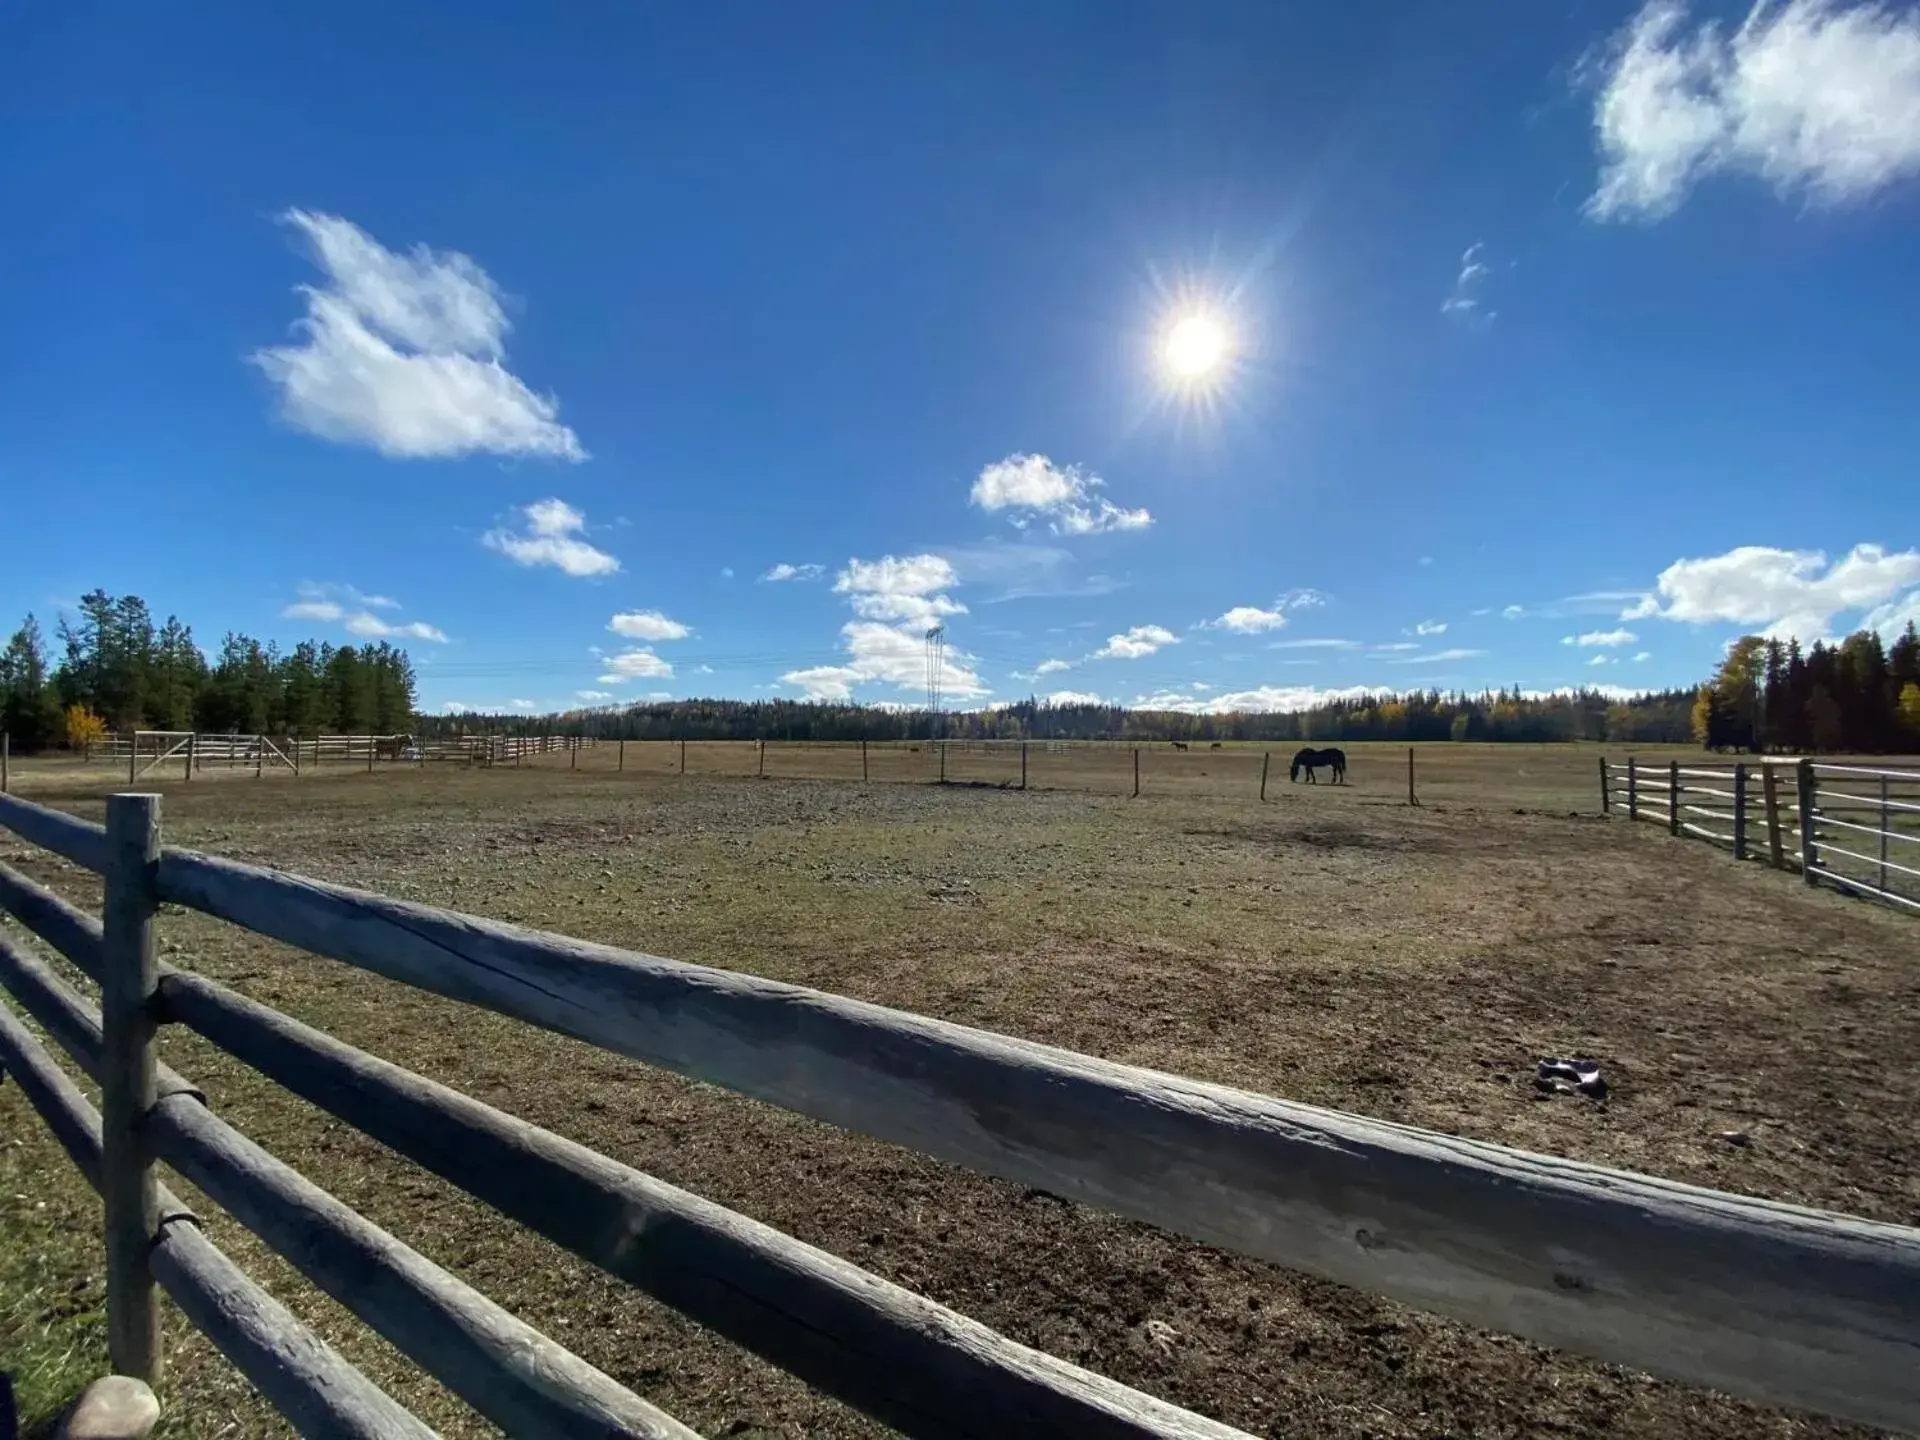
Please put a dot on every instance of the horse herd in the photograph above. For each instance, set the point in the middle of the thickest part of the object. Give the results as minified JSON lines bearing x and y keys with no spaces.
{"x":1308,"y":760}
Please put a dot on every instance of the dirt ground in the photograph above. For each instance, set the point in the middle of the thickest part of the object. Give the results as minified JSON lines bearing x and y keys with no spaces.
{"x":1332,"y":946}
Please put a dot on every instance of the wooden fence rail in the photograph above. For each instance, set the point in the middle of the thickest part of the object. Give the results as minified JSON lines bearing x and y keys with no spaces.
{"x":1772,"y":1302}
{"x":1805,"y":807}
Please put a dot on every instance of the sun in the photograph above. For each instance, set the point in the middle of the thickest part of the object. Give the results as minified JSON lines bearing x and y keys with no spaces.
{"x":1195,"y":347}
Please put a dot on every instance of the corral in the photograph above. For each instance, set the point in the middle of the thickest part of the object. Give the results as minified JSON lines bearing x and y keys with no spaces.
{"x":1337,"y":948}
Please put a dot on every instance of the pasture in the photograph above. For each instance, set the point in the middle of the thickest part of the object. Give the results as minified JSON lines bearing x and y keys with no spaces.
{"x":1333,"y":946}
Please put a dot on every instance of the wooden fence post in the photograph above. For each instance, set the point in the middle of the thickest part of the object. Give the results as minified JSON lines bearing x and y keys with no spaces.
{"x":573,"y":752}
{"x":1770,"y":799}
{"x":941,"y":747}
{"x":1136,"y":772}
{"x":192,"y":738}
{"x":762,"y":771}
{"x":1808,"y":789}
{"x":1633,"y":790}
{"x":683,"y":755}
{"x":1673,"y":797}
{"x":621,"y":761}
{"x":1023,"y":785}
{"x":6,"y":750}
{"x":133,"y":756}
{"x":1606,"y":801}
{"x":1412,"y":799}
{"x":863,"y":757}
{"x":1740,"y":811}
{"x":128,"y":1186}
{"x":1883,"y":832}
{"x":373,"y":748}
{"x":1266,"y":759}
{"x":259,"y":756}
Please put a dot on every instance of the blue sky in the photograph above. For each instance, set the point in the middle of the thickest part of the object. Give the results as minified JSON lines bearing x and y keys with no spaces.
{"x":1558,"y":343}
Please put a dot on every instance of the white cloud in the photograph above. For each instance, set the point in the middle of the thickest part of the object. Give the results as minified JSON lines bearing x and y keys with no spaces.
{"x":1513,"y":612}
{"x":1052,"y":667}
{"x":1643,"y":657}
{"x":1438,"y":657}
{"x":1465,"y":301}
{"x":405,"y":353}
{"x":1784,"y":592}
{"x":1431,"y":627}
{"x":784,"y":571}
{"x":1260,"y":700}
{"x":726,"y":572}
{"x":1032,"y":486}
{"x":1250,"y":619}
{"x":895,"y":599}
{"x":1072,"y":697}
{"x":903,"y":590}
{"x":647,"y":625}
{"x":1612,"y":638}
{"x":1397,"y":645}
{"x":1601,"y":660}
{"x":1890,"y":619}
{"x":552,"y":537}
{"x":314,"y":610}
{"x":1141,"y":640}
{"x":639,"y":663}
{"x":1314,"y":645}
{"x":592,"y":696}
{"x":1817,"y":98}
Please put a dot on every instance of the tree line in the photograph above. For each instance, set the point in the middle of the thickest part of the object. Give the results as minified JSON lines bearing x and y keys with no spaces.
{"x":1858,"y":696}
{"x":117,"y":670}
{"x":1661,"y":718}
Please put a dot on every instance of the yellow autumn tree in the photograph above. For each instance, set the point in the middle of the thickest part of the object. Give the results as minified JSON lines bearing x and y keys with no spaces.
{"x":1910,"y":707}
{"x":84,"y":728}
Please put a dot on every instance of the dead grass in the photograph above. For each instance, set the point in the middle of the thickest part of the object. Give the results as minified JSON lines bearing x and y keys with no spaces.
{"x":1333,"y":947}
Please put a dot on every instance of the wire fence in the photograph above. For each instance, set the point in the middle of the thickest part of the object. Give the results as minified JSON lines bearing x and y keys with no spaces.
{"x":1855,"y":827}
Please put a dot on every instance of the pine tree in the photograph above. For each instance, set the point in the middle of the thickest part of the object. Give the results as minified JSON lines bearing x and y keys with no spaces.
{"x":29,"y":705}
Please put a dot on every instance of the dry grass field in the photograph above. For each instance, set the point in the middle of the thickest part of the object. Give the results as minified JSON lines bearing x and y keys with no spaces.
{"x":1332,"y":946}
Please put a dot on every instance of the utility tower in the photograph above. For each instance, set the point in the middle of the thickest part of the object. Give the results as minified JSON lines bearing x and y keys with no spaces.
{"x":936,"y":669}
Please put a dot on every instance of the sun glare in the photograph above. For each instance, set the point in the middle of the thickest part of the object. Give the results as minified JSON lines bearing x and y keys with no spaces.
{"x":1195,"y":347}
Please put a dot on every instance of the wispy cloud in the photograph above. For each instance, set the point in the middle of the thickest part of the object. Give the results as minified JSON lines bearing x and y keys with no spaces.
{"x":592,"y":697}
{"x":1314,"y":645}
{"x":1817,"y":98}
{"x":352,"y":609}
{"x":550,"y":535}
{"x":1513,"y":612}
{"x":647,"y":625}
{"x":1396,"y":645}
{"x":1437,"y":657}
{"x":406,"y":353}
{"x":784,"y":571}
{"x":1136,"y":643}
{"x":1431,"y":627}
{"x":1032,"y":486}
{"x":1613,"y":638}
{"x":1466,"y":301}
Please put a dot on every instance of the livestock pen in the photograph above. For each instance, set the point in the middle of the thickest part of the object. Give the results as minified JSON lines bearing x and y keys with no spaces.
{"x":1772,"y":1301}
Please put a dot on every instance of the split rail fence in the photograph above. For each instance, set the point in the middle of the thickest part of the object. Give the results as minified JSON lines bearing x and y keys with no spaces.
{"x":1855,"y":827}
{"x":1772,"y":1302}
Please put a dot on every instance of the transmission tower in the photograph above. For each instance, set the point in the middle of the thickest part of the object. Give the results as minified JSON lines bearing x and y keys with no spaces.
{"x":936,"y":669}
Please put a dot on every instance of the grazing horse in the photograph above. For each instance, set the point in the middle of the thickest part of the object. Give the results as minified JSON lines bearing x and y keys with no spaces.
{"x":1179,"y":744}
{"x":1308,"y":759}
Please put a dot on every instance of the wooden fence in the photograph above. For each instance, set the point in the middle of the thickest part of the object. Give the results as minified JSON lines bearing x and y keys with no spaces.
{"x":1855,"y":827}
{"x":1772,"y":1302}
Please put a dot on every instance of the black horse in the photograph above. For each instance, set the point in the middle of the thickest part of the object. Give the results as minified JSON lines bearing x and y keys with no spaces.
{"x":1308,"y":759}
